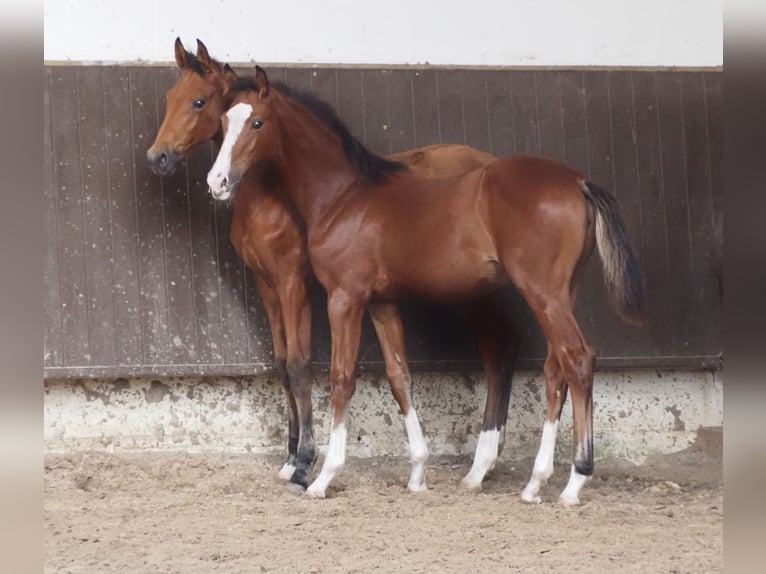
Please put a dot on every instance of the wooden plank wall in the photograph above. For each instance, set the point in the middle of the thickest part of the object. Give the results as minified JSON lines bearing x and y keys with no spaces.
{"x":140,"y":277}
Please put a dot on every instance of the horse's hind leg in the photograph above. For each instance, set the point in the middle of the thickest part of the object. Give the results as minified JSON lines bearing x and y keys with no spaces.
{"x":576,"y":359}
{"x":270,"y":300}
{"x":345,"y":315}
{"x":546,"y":288}
{"x":388,"y":326}
{"x":498,"y":346}
{"x":556,"y":393}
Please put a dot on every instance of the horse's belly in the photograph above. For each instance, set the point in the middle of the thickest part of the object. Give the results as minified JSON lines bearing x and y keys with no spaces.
{"x":444,"y":279}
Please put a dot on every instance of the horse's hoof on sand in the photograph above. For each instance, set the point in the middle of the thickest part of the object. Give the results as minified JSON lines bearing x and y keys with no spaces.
{"x":568,"y":501}
{"x":417,"y":487}
{"x":295,"y":488}
{"x":470,"y":486}
{"x":286,"y":472}
{"x":531,"y":498}
{"x":315,"y":493}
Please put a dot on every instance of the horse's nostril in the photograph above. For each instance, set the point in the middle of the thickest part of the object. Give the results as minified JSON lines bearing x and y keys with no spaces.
{"x":224,"y":181}
{"x":162,"y":160}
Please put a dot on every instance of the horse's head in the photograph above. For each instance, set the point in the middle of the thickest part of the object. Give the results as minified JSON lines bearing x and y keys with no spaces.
{"x":249,"y":130}
{"x":194,"y":107}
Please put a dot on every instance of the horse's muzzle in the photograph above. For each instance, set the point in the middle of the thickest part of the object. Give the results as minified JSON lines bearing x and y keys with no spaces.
{"x":162,"y":162}
{"x":223,"y":187}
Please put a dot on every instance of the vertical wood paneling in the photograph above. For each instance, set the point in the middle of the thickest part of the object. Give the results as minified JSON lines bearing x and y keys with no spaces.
{"x":700,"y":197}
{"x":425,"y":108}
{"x":475,"y":112}
{"x":400,"y":113}
{"x":713,"y":94}
{"x":70,"y":239}
{"x":574,"y":120}
{"x":677,"y":223}
{"x":232,"y":300}
{"x":375,"y":116}
{"x":500,"y":114}
{"x":52,"y":339}
{"x":651,"y":195}
{"x":140,"y":275}
{"x":449,"y":89}
{"x":524,"y":105}
{"x":549,"y":111}
{"x":123,"y":217}
{"x":713,"y":107}
{"x":97,"y":229}
{"x":151,"y":227}
{"x":204,"y":257}
{"x":179,"y":278}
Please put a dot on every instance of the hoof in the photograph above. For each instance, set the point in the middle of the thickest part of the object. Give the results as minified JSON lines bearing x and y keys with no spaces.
{"x":295,"y":488}
{"x":417,"y":487}
{"x":470,"y":486}
{"x":315,"y":492}
{"x":530,"y":498}
{"x":286,"y":472}
{"x":569,"y":501}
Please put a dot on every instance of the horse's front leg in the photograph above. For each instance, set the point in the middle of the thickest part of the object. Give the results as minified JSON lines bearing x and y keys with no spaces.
{"x":345,"y":315}
{"x":296,"y":311}
{"x":271,"y":303}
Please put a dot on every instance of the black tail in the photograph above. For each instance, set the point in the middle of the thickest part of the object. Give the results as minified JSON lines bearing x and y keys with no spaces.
{"x":622,"y":274}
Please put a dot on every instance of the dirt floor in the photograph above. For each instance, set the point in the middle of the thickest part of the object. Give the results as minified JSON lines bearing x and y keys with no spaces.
{"x":156,"y":513}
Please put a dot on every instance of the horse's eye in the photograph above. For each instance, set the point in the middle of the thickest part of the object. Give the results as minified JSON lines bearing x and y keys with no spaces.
{"x":197,"y":104}
{"x":257,"y":124}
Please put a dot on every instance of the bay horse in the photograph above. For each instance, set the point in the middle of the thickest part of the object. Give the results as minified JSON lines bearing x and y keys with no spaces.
{"x":378,"y":232}
{"x":271,"y":241}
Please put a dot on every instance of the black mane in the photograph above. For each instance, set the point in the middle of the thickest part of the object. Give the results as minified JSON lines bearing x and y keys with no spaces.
{"x":370,"y":167}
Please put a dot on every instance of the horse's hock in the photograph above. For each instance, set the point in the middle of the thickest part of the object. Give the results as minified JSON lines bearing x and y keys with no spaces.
{"x":636,"y":413}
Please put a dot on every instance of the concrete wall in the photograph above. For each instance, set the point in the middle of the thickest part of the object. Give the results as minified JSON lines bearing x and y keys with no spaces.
{"x":485,"y":32}
{"x":636,"y":413}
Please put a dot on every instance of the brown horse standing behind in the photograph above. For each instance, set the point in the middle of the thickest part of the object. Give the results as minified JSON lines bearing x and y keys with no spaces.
{"x":271,"y":242}
{"x":379,"y":233}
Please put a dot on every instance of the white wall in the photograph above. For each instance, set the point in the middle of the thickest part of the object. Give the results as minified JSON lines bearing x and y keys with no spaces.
{"x":439,"y":32}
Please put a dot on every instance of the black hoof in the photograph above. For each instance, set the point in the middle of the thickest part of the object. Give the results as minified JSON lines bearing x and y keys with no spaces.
{"x":295,"y":488}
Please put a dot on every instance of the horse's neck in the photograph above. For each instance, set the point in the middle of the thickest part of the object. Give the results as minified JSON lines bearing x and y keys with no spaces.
{"x":315,"y":167}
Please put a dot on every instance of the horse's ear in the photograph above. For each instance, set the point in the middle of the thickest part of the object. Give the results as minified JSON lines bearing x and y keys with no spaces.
{"x":229,"y":75}
{"x":204,"y":57}
{"x":263,"y":82}
{"x":180,"y":54}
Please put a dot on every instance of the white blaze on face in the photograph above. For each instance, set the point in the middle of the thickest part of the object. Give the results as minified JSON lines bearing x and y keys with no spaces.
{"x":218,"y":178}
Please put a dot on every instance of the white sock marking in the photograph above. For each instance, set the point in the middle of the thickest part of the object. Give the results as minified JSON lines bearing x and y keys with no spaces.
{"x":543,"y":468}
{"x":333,"y":461}
{"x":418,"y":452}
{"x":219,"y":175}
{"x":287,"y":471}
{"x":484,"y":459}
{"x":571,"y":494}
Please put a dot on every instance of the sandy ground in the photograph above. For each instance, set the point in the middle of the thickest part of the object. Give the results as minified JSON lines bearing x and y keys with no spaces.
{"x":157,"y":513}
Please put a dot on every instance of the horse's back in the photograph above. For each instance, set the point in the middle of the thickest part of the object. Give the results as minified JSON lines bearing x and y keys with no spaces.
{"x":440,"y":160}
